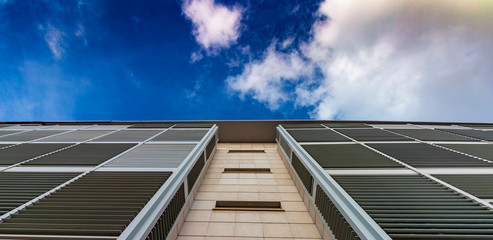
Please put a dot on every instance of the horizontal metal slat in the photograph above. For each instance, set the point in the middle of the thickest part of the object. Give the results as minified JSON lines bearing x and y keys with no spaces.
{"x":435,"y":211}
{"x":317,"y":135}
{"x":21,"y":152}
{"x":154,"y":156}
{"x":76,"y":136}
{"x":83,"y":154}
{"x":348,"y":156}
{"x":478,"y":134}
{"x":430,"y":135}
{"x":128,"y":136}
{"x":21,"y":191}
{"x":425,"y":155}
{"x":30,"y":135}
{"x":115,"y":199}
{"x":180,"y":135}
{"x":372,"y":135}
{"x":480,"y":185}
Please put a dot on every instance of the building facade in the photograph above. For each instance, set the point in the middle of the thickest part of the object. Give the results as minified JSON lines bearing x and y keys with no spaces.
{"x":246,"y":180}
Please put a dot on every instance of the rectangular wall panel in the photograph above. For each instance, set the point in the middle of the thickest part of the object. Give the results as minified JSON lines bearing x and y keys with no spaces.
{"x":479,"y":126}
{"x":348,"y":156}
{"x":66,"y":127}
{"x":96,"y":205}
{"x":154,"y":156}
{"x":193,"y":125}
{"x":372,"y":135}
{"x":479,"y":185}
{"x":31,"y":135}
{"x":395,"y":126}
{"x":477,"y":134}
{"x":128,"y":136}
{"x":304,"y":175}
{"x":425,"y":155}
{"x":17,"y":188}
{"x":413,"y":207}
{"x":346,"y":125}
{"x":322,"y":135}
{"x":7,"y":132}
{"x":24,"y":127}
{"x":76,"y":136}
{"x":302,"y":125}
{"x":19,"y":153}
{"x":210,"y":147}
{"x":108,"y":127}
{"x":152,"y":125}
{"x":431,"y":135}
{"x":479,"y":150}
{"x":193,"y":175}
{"x":83,"y":154}
{"x":180,"y":135}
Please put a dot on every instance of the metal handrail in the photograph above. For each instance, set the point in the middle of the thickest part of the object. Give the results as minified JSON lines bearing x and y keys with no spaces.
{"x":142,"y":224}
{"x":364,"y":226}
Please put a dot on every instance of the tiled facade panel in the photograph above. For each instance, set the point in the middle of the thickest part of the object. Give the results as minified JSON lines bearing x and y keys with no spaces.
{"x":19,"y":153}
{"x":476,"y":134}
{"x":76,"y":136}
{"x":154,"y":156}
{"x":348,"y":156}
{"x":193,"y":125}
{"x":17,"y":188}
{"x":431,"y":135}
{"x":87,"y":154}
{"x":478,"y":126}
{"x":152,"y":125}
{"x":425,"y":155}
{"x":66,"y":127}
{"x":413,"y":207}
{"x":128,"y":136}
{"x":30,"y":135}
{"x":210,"y":147}
{"x":98,"y":204}
{"x":479,"y":150}
{"x":346,"y":125}
{"x":6,"y":132}
{"x":4,"y":145}
{"x":318,"y":135}
{"x":480,"y":185}
{"x":23,"y":127}
{"x":108,"y":127}
{"x":395,"y":126}
{"x":181,"y":135}
{"x":302,"y":125}
{"x":372,"y":135}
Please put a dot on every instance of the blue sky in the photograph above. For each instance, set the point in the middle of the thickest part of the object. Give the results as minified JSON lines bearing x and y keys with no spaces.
{"x":209,"y":59}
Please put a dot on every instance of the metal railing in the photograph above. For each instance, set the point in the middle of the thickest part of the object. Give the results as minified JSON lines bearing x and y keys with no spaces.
{"x":144,"y":222}
{"x":360,"y":222}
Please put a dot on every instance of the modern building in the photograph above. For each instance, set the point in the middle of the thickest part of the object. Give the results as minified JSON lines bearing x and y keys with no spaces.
{"x":246,"y":180}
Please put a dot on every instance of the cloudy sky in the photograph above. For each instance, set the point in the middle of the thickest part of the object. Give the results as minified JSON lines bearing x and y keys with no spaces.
{"x":211,"y":59}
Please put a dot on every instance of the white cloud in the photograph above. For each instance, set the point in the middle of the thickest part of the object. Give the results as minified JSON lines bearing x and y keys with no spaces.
{"x":215,"y":26}
{"x":387,"y":59}
{"x":54,"y":39}
{"x":264,"y":79}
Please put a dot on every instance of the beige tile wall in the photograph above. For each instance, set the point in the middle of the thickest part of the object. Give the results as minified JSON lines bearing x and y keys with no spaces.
{"x":202,"y":222}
